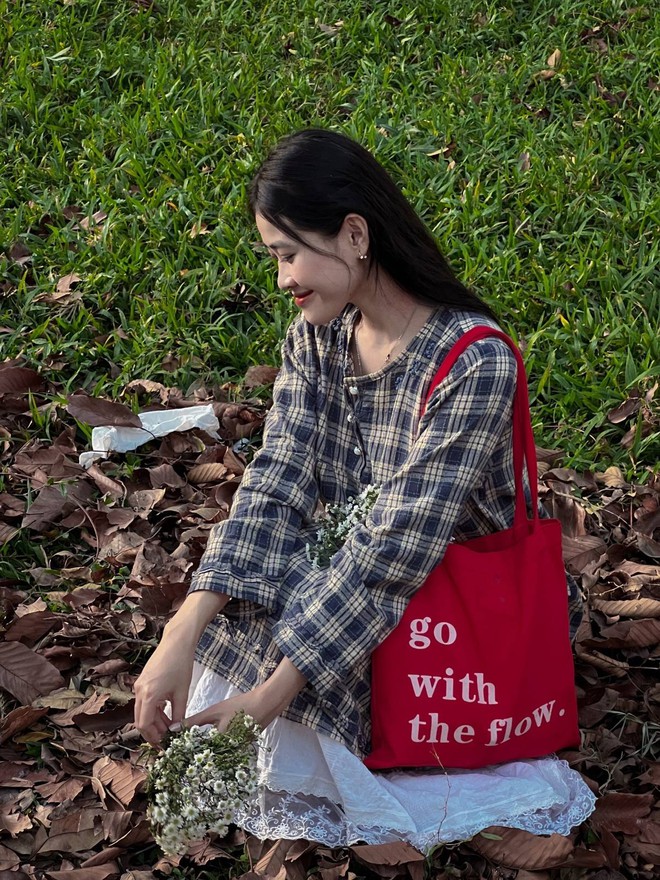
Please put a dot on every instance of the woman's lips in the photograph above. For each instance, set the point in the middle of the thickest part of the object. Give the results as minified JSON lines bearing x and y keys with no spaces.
{"x":301,"y":297}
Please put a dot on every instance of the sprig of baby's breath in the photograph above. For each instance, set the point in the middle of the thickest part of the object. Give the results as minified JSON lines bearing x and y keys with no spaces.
{"x":337,"y":522}
{"x":196,"y":784}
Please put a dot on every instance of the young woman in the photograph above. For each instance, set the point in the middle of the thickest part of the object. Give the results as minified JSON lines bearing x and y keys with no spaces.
{"x":264,"y":630}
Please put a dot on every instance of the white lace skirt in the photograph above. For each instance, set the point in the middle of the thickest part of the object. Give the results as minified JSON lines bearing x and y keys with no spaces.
{"x":311,"y":787}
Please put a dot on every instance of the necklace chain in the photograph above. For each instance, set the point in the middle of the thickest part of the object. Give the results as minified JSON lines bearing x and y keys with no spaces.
{"x":388,"y":356}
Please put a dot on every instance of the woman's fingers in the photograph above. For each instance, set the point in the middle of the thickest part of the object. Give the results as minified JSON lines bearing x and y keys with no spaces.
{"x":218,"y":715}
{"x":179,"y":701}
{"x":164,"y":679}
{"x":151,"y":721}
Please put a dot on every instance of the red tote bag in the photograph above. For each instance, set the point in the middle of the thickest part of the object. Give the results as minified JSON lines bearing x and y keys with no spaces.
{"x":480,"y":670}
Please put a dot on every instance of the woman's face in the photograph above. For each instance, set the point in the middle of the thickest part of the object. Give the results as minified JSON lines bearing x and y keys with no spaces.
{"x":321,"y":284}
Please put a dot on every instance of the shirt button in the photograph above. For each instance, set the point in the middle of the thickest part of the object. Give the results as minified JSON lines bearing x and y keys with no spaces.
{"x":350,"y":417}
{"x":353,"y":389}
{"x":357,"y":450}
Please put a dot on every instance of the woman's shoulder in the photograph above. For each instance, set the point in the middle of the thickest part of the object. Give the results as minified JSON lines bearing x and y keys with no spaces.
{"x":452,"y":324}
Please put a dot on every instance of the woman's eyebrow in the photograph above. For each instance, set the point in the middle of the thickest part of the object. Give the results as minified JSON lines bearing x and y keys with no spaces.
{"x":276,"y":245}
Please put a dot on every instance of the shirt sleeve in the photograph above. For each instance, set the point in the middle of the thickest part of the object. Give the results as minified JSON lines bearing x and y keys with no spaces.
{"x":247,"y":554}
{"x":338,"y":615}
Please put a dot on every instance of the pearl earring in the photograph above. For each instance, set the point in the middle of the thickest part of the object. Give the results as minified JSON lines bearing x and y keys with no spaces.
{"x":362,"y":256}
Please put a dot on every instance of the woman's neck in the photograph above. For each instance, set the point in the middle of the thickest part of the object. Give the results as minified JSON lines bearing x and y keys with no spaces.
{"x":387,"y":323}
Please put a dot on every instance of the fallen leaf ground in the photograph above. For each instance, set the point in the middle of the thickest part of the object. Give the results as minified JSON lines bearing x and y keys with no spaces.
{"x":93,"y":563}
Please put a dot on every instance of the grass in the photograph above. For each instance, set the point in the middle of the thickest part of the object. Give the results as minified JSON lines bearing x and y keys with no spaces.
{"x":542,"y":190}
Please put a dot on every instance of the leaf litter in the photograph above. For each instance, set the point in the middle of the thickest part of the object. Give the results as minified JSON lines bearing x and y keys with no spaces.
{"x":95,"y":561}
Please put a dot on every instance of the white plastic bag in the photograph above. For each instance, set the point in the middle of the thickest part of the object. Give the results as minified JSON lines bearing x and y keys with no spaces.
{"x":158,"y":423}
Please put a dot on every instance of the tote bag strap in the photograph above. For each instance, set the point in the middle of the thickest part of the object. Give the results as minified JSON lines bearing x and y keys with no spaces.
{"x":524,"y":452}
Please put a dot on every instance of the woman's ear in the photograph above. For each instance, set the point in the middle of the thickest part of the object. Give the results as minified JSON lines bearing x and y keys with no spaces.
{"x":356,"y":232}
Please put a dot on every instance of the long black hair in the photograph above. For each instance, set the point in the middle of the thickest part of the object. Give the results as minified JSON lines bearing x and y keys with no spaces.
{"x":314,"y":178}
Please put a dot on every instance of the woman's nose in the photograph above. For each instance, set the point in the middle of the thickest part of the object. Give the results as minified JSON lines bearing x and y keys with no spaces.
{"x":284,"y":279}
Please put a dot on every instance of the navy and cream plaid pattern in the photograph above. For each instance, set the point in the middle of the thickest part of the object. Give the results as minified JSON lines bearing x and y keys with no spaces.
{"x":447,"y":476}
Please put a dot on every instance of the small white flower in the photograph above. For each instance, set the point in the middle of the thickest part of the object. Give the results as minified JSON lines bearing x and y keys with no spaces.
{"x":158,"y":814}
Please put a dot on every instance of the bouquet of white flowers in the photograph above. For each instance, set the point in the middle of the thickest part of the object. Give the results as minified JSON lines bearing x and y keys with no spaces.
{"x":199,"y":780}
{"x":337,"y":522}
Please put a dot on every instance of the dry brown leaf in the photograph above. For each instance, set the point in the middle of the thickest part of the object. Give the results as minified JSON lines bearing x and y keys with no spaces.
{"x":106,"y":484}
{"x":165,"y":476}
{"x":9,"y":861}
{"x":235,"y":463}
{"x":19,"y":380}
{"x":570,"y":513}
{"x":82,"y":597}
{"x":260,"y":376}
{"x":138,"y":875}
{"x":609,"y":665}
{"x":66,"y":282}
{"x":65,"y":790}
{"x":97,"y":412}
{"x":520,"y":849}
{"x":399,"y":853}
{"x":100,"y":872}
{"x":15,"y":823}
{"x":272,"y":862}
{"x":54,"y":502}
{"x":74,"y":832}
{"x":202,"y":852}
{"x":62,"y":698}
{"x":207,"y":473}
{"x":61,"y":298}
{"x":625,"y":410}
{"x":555,"y":59}
{"x":330,"y":29}
{"x":26,"y":674}
{"x":621,"y":812}
{"x":30,"y":627}
{"x":96,"y":218}
{"x":110,"y":720}
{"x":650,"y":829}
{"x":7,"y":533}
{"x":579,"y":552}
{"x":648,"y":546}
{"x":108,"y":854}
{"x":593,"y":713}
{"x":17,"y":720}
{"x":652,"y":774}
{"x":145,"y":500}
{"x":632,"y":634}
{"x":637,"y":609}
{"x":122,"y":778}
{"x":612,"y":477}
{"x":92,"y":706}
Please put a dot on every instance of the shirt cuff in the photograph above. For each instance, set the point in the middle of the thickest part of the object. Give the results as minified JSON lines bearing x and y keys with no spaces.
{"x":305,"y":656}
{"x":253,"y":588}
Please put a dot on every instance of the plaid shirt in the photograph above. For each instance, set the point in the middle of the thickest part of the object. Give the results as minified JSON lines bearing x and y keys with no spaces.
{"x":447,"y":476}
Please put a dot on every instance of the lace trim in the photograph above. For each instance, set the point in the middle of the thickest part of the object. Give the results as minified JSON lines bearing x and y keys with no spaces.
{"x":294,"y":816}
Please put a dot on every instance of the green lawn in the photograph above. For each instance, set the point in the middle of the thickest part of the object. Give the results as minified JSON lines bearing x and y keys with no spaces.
{"x":537,"y":176}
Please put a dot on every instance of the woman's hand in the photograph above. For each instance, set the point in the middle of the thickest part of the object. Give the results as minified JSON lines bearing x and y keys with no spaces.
{"x":166,"y":676}
{"x":263,"y":703}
